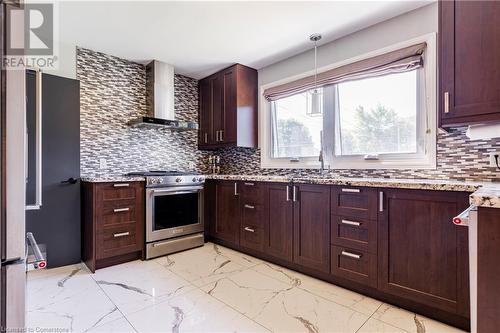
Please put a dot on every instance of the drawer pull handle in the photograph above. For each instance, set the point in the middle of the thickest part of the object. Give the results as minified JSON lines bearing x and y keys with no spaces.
{"x":249,"y":229}
{"x":351,"y":190}
{"x":122,"y":234}
{"x":249,"y":206}
{"x":118,"y":210}
{"x":121,"y":185}
{"x":357,"y":224}
{"x":249,"y":184}
{"x":350,"y":255}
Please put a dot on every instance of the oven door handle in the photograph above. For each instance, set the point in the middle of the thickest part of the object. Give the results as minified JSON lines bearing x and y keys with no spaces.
{"x":173,"y":192}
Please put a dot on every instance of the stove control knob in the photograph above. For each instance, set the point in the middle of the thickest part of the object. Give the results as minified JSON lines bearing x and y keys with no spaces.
{"x":178,"y":180}
{"x":200,"y":179}
{"x":194,"y":179}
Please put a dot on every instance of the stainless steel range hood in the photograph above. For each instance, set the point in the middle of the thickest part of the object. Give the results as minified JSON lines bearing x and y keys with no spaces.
{"x":160,"y":99}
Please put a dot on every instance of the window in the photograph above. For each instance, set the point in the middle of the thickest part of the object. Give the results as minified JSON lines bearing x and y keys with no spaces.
{"x":295,"y":133}
{"x":377,"y":116}
{"x":377,"y":120}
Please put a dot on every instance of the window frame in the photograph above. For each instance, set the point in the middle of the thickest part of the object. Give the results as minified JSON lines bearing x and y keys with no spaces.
{"x":428,"y":119}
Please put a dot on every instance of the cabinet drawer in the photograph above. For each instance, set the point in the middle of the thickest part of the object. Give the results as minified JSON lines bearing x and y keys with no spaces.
{"x":354,"y":265}
{"x":118,"y":191}
{"x":357,"y":202}
{"x":252,"y":192}
{"x":252,"y":214}
{"x":113,"y":241}
{"x":356,"y":233}
{"x":252,"y":237}
{"x":117,"y":212}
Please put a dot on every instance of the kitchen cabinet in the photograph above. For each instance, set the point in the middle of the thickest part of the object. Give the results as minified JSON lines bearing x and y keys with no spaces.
{"x":469,"y":68}
{"x":422,"y":254}
{"x":311,"y":226}
{"x":226,"y":222}
{"x":113,"y":223}
{"x":253,"y":215}
{"x":279,"y":225}
{"x":228,"y":109}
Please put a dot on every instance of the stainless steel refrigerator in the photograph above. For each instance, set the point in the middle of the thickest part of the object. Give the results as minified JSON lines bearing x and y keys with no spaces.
{"x":13,"y":183}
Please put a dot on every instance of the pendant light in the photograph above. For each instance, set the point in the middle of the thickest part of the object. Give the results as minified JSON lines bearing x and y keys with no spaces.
{"x":315,"y":108}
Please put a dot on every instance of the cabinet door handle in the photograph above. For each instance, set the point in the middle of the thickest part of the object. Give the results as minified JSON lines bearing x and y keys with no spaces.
{"x":350,"y":255}
{"x":294,"y":194}
{"x":206,"y":137}
{"x":222,"y":135}
{"x":118,"y":210}
{"x":351,"y":190}
{"x":249,"y":229}
{"x":446,"y":102}
{"x":121,"y":185}
{"x":216,"y":136}
{"x":249,"y":184}
{"x":287,"y":193}
{"x":122,"y":234}
{"x":380,"y":201}
{"x":249,"y":206}
{"x":236,"y":188}
{"x":357,"y":224}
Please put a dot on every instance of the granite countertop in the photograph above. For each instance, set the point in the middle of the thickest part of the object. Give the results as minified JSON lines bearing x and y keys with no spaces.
{"x":111,"y":178}
{"x":484,"y":194}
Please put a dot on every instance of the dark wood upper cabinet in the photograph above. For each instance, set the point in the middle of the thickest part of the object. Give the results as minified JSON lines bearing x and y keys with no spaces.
{"x":311,"y":222}
{"x":228,"y":108}
{"x":469,"y":45}
{"x":422,"y":255}
{"x":226,"y":222}
{"x":279,"y":227}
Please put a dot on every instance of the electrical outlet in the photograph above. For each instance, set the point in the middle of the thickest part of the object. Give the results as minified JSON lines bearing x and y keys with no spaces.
{"x":103,"y":164}
{"x":493,"y":162}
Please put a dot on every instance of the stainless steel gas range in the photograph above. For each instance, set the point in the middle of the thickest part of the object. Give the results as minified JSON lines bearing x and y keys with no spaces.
{"x":174,"y":211}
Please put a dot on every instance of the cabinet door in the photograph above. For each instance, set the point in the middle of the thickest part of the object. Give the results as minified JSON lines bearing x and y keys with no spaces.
{"x":217,"y":107}
{"x":227,"y":212}
{"x":229,"y":125}
{"x":469,"y":61}
{"x":423,"y":256}
{"x":279,"y":225}
{"x":205,"y":116}
{"x":312,"y":227}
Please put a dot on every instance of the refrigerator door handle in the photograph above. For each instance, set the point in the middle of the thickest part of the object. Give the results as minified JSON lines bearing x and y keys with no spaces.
{"x":38,"y":125}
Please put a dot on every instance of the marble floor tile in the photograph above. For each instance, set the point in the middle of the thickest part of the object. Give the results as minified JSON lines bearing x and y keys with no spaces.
{"x":119,"y":326}
{"x":411,"y":322}
{"x":282,"y":307}
{"x":77,"y":314}
{"x":201,"y":265}
{"x":59,"y":271}
{"x":139,"y":284}
{"x":195,"y":311}
{"x":353,"y":300}
{"x":377,"y":326}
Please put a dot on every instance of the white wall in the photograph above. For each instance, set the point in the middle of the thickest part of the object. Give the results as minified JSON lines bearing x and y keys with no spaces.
{"x":415,"y":23}
{"x":66,"y":61}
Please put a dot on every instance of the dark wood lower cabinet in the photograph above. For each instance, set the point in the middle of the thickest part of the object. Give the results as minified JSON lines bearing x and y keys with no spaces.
{"x":408,"y":254}
{"x":279,"y":227}
{"x":311,"y":227}
{"x":422,"y":254}
{"x":226,"y":223}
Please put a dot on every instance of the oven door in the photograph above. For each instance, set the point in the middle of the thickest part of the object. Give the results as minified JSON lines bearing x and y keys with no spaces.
{"x":173,"y":212}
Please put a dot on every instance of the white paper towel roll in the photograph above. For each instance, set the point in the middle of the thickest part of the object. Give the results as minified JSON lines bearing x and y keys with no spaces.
{"x":483,"y":132}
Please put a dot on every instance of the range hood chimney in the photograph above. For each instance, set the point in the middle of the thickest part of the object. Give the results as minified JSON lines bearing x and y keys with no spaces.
{"x":160,"y":99}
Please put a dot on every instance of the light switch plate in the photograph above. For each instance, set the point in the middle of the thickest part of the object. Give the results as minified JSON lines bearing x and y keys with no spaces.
{"x":493,"y":163}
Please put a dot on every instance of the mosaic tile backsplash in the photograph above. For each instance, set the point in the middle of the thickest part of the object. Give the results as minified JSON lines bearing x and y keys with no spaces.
{"x":458,"y":158}
{"x":113,"y":91}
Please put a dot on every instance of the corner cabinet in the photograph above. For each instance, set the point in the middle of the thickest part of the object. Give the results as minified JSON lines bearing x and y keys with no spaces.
{"x":469,"y":64}
{"x":228,"y":109}
{"x":423,"y":256}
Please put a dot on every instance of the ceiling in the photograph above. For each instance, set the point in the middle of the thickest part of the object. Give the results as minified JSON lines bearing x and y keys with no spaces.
{"x":199,"y":38}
